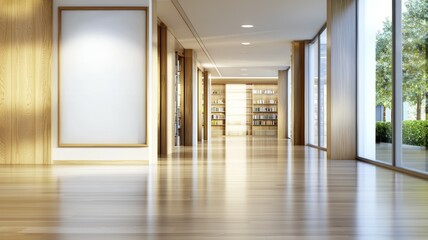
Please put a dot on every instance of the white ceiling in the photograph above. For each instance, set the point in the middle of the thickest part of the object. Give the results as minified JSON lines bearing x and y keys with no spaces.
{"x":218,"y":24}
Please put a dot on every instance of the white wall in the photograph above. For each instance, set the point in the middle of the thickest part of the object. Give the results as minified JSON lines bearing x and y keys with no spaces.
{"x":105,"y":153}
{"x":366,"y":84}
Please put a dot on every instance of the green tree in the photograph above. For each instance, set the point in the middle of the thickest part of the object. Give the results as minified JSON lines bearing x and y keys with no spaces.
{"x":415,"y":57}
{"x":415,"y":62}
{"x":384,"y":65}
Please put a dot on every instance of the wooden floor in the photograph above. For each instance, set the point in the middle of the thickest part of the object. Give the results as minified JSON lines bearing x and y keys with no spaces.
{"x":234,"y":188}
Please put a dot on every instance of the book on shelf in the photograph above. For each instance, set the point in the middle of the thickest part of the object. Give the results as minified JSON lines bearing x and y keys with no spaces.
{"x":218,"y":101}
{"x":218,"y":117}
{"x":217,"y":123}
{"x":264,"y":123}
{"x":265,"y":109}
{"x":217,"y":92}
{"x":217,"y":109}
{"x":265,"y":102}
{"x":251,"y":109}
{"x":264,"y":92}
{"x":265,"y":117}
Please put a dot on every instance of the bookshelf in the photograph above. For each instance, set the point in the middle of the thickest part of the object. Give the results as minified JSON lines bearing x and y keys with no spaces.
{"x":265,"y":110}
{"x":244,"y":109}
{"x":218,"y":109}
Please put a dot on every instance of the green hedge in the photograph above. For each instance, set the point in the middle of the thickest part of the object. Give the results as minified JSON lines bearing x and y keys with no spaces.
{"x":384,"y":132}
{"x":414,"y":132}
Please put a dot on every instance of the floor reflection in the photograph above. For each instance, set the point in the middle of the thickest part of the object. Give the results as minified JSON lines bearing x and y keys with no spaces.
{"x":413,"y":157}
{"x":230,"y":188}
{"x":29,"y":202}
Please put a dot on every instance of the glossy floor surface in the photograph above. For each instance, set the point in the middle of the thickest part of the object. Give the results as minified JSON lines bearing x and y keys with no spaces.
{"x":234,"y":188}
{"x":413,"y":157}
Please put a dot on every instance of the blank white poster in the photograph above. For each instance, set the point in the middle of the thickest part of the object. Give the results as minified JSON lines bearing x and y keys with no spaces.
{"x":103,"y":81}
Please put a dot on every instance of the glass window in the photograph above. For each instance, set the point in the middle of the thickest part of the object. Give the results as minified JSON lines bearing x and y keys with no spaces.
{"x":313,"y":94}
{"x":323,"y":90}
{"x":317,"y":91}
{"x":415,"y":84}
{"x":375,"y":80}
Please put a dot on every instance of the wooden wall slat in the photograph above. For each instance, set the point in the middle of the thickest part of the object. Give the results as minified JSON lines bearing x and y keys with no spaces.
{"x":5,"y":83}
{"x":15,"y":76}
{"x":341,"y":79}
{"x":282,"y":103}
{"x":39,"y":88}
{"x":163,"y":85}
{"x":207,"y":105}
{"x":189,"y":75}
{"x":24,"y":114}
{"x":200,"y":105}
{"x":298,"y":94}
{"x":43,"y":90}
{"x":25,"y":80}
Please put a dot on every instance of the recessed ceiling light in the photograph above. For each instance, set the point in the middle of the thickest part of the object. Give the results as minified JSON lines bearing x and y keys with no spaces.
{"x":245,"y":43}
{"x":247,"y":26}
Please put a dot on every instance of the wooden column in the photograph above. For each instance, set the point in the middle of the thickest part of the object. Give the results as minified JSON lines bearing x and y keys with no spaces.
{"x":163,"y":86}
{"x":190,"y":98}
{"x":298,"y":62}
{"x":341,"y":79}
{"x":25,"y":81}
{"x":282,"y":103}
{"x":200,"y":105}
{"x":153,"y":106}
{"x":166,"y":90}
{"x":207,"y":105}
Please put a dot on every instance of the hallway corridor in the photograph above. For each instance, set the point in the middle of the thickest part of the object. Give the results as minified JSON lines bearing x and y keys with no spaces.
{"x":233,"y":188}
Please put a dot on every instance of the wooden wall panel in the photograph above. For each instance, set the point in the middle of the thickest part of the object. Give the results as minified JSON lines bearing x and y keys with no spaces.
{"x":282,"y":103}
{"x":23,"y":109}
{"x":43,"y":87}
{"x":341,"y":79}
{"x":6,"y":28}
{"x":189,"y":78}
{"x":167,"y":90}
{"x":298,"y":60}
{"x":25,"y":81}
{"x":163,"y":85}
{"x":207,"y":105}
{"x":200,"y":105}
{"x":153,"y":85}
